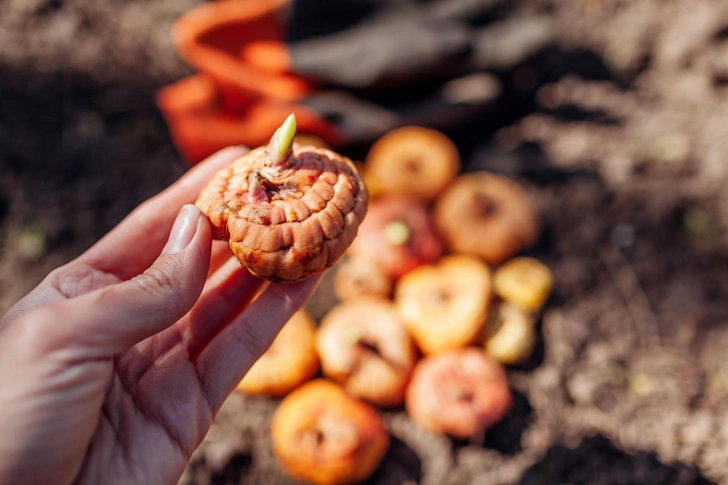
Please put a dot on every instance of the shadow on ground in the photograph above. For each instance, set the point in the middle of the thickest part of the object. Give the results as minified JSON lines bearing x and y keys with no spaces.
{"x":597,"y":461}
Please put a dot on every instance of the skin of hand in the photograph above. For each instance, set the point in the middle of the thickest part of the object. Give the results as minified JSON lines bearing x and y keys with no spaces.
{"x":112,"y":369}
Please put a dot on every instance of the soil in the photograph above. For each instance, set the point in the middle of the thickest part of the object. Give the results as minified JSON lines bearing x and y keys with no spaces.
{"x":618,"y":132}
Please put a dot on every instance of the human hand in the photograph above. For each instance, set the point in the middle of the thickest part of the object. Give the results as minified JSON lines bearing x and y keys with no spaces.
{"x":113,"y":368}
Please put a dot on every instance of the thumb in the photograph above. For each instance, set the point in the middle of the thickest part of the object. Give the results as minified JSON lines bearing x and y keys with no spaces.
{"x":110,"y":320}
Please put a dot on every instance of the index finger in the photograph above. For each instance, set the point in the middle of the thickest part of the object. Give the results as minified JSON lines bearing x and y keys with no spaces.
{"x":230,"y":354}
{"x":134,"y":244}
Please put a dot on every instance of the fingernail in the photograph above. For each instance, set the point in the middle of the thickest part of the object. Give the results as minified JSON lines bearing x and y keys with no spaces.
{"x":183,"y":230}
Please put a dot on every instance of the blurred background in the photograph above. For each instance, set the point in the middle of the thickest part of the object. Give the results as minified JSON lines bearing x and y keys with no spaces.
{"x":612,"y":114}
